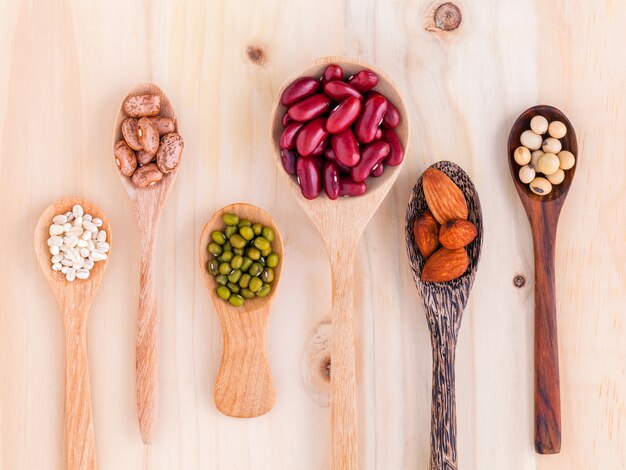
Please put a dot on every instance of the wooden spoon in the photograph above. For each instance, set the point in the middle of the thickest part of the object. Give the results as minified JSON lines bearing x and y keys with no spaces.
{"x":244,"y":386}
{"x":74,"y":298}
{"x":543,"y":213}
{"x":341,"y":224}
{"x":148,"y":203}
{"x":444,"y":303}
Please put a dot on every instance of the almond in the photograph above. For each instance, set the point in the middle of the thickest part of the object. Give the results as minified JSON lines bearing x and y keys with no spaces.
{"x":445,"y":265}
{"x":425,"y":232}
{"x":445,"y":199}
{"x":457,"y":233}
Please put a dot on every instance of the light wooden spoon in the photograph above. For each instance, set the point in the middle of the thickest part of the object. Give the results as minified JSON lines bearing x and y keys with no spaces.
{"x":244,"y":387}
{"x":341,"y":224}
{"x":74,"y":298}
{"x":444,"y":303}
{"x":148,"y":203}
{"x":543,"y":213}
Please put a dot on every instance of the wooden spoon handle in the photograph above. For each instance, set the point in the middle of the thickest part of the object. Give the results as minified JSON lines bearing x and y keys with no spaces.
{"x":443,"y":408}
{"x":244,"y":387}
{"x":343,"y":405}
{"x":147,"y":352}
{"x":81,"y":446}
{"x":547,"y":388}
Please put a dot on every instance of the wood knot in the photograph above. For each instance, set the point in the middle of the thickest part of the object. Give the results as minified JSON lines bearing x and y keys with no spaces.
{"x":325,"y":369}
{"x":448,"y":16}
{"x":256,"y":54}
{"x":316,"y":364}
{"x":519,"y":281}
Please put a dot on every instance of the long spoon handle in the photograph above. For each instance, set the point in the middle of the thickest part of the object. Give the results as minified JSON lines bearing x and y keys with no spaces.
{"x":343,"y":407}
{"x":443,"y":454}
{"x":147,"y":353}
{"x":244,"y":387}
{"x":81,"y":446}
{"x":547,"y":388}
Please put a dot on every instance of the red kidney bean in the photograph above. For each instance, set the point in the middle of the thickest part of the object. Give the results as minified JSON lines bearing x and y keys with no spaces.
{"x":367,"y":123}
{"x":331,"y":180}
{"x":392,"y":116}
{"x":371,"y":156}
{"x":310,"y":108}
{"x":332,"y":72}
{"x":311,"y":135}
{"x":321,"y":148}
{"x":286,"y":120}
{"x":299,"y":89}
{"x":364,"y":80}
{"x":339,"y":91}
{"x":346,"y":148}
{"x":343,"y":115}
{"x":396,"y":152}
{"x":378,"y":170}
{"x":350,"y":188}
{"x":330,"y":155}
{"x":289,"y":158}
{"x":309,"y":177}
{"x":289,"y":134}
{"x":379,"y":134}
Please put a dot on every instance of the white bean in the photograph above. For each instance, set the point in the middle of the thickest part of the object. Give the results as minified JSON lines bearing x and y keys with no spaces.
{"x":71,"y":274}
{"x":54,"y":250}
{"x":57,"y":258}
{"x":87,"y":218}
{"x":82,"y":273}
{"x":56,"y":229}
{"x":102,"y":236}
{"x":57,"y":266}
{"x":86,"y":235}
{"x":97,"y":222}
{"x":59,"y":219}
{"x":103,"y":246}
{"x":77,"y":210}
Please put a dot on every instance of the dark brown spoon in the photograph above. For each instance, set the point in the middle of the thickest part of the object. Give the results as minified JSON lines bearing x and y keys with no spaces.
{"x":543,"y":214}
{"x":444,"y":303}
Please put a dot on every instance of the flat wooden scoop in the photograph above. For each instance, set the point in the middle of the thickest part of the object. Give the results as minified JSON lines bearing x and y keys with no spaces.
{"x":543,"y":213}
{"x":444,"y":303}
{"x":148,"y":203}
{"x":74,"y":298}
{"x":244,"y":387}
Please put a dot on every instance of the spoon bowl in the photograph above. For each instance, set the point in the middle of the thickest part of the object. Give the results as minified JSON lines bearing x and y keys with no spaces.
{"x":569,"y":142}
{"x":74,"y":298}
{"x":244,"y":387}
{"x":148,"y":203}
{"x":444,"y":303}
{"x":340,"y":224}
{"x":543,"y":214}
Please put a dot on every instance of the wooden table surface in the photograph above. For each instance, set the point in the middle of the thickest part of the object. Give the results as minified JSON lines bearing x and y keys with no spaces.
{"x":65,"y":66}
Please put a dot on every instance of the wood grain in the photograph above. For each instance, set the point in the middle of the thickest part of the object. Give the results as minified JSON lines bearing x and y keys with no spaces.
{"x":340,"y":224}
{"x":65,"y":65}
{"x":543,"y":213}
{"x":444,"y":303}
{"x":74,"y":299}
{"x":244,"y":387}
{"x":148,"y":203}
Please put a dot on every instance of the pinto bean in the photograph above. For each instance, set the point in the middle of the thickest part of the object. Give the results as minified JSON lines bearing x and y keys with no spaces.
{"x":148,"y":136}
{"x":170,"y":152}
{"x":147,"y":175}
{"x":125,"y":158}
{"x":129,"y":131}
{"x":142,"y":105}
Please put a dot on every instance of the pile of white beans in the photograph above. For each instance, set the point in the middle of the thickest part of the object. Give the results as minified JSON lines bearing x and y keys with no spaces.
{"x":543,"y":155}
{"x":76,"y":243}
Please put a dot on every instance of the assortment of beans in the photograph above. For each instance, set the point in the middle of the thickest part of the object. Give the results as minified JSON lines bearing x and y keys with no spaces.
{"x":243,"y":261}
{"x":76,"y":243}
{"x":337,"y":133}
{"x":151,"y":147}
{"x":541,"y":154}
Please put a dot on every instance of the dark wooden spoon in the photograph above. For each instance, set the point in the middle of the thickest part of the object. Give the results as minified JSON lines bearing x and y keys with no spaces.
{"x":444,"y":303}
{"x":543,"y":214}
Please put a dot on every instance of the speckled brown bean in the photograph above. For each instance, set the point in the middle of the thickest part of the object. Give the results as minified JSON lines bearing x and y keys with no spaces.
{"x":163,"y":124}
{"x":147,"y":175}
{"x":142,"y":105}
{"x":170,"y":152}
{"x":129,"y":131}
{"x":125,"y":158}
{"x":148,"y":135}
{"x":143,"y":157}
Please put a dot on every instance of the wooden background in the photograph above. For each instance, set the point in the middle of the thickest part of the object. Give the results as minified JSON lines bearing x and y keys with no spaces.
{"x":65,"y":66}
